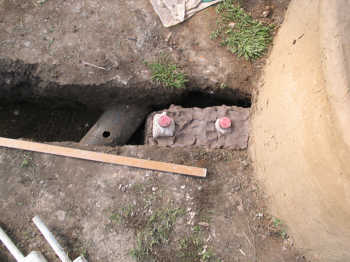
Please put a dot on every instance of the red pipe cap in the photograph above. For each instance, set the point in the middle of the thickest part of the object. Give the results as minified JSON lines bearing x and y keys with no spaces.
{"x":224,"y":122}
{"x":164,"y":121}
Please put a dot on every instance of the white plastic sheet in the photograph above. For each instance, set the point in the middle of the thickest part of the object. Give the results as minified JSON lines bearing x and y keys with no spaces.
{"x":172,"y":12}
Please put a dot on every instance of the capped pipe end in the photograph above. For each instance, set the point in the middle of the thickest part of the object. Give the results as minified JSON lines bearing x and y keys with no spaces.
{"x":225,"y":122}
{"x":223,"y":125}
{"x":164,"y":121}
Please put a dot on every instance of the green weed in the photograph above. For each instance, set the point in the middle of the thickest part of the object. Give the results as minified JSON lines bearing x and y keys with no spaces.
{"x":27,"y":160}
{"x":239,"y":32}
{"x":192,"y":248}
{"x":279,"y":227}
{"x":166,"y":73}
{"x":41,"y":2}
{"x":156,"y":232}
{"x":124,"y":214}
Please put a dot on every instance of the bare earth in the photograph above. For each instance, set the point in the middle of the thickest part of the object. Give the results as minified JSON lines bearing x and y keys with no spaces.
{"x":78,"y":198}
{"x":45,"y":51}
{"x":57,"y":40}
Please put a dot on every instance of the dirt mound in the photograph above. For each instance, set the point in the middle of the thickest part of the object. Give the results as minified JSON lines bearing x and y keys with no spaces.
{"x":298,"y":135}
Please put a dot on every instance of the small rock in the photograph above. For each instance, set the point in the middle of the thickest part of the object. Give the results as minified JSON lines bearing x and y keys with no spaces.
{"x":123,"y":188}
{"x":259,"y":215}
{"x":240,"y":208}
{"x":232,"y":24}
{"x":245,"y":163}
{"x":183,"y":187}
{"x":267,"y":11}
{"x":204,"y":224}
{"x":16,"y":112}
{"x":154,"y":189}
{"x":200,"y":188}
{"x":27,"y":44}
{"x":236,"y":188}
{"x":191,"y":219}
{"x":253,"y":188}
{"x":168,"y":37}
{"x":61,"y":215}
{"x":188,"y":197}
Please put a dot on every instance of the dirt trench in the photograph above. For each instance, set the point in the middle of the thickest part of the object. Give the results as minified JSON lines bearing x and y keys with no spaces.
{"x":50,"y":93}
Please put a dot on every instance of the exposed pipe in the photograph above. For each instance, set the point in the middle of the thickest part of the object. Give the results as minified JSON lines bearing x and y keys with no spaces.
{"x":10,"y":246}
{"x":33,"y":256}
{"x":51,"y":239}
{"x":53,"y":242}
{"x":116,"y":125}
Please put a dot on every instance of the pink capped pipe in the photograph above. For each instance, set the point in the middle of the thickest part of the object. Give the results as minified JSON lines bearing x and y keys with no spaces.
{"x":223,"y":125}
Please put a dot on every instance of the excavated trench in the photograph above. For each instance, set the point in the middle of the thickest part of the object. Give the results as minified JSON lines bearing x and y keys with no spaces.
{"x":55,"y":120}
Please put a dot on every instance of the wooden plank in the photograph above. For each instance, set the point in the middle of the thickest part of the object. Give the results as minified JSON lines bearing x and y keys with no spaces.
{"x":102,"y":157}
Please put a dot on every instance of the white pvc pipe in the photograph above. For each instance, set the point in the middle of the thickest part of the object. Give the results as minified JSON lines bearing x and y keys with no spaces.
{"x":34,"y":256}
{"x":11,"y":246}
{"x":51,"y":239}
{"x":80,"y":259}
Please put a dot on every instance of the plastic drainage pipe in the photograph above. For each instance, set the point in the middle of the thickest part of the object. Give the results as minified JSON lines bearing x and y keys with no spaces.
{"x":33,"y":256}
{"x":53,"y":242}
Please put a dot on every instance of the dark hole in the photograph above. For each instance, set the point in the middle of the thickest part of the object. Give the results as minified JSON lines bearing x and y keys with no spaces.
{"x":46,"y":120}
{"x":106,"y":134}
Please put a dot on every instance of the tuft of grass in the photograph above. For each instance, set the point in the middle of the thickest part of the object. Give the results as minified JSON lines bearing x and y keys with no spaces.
{"x":156,"y":233}
{"x":125,"y":214}
{"x":192,"y":248}
{"x":27,"y":161}
{"x":41,"y":2}
{"x":279,"y":228}
{"x":166,"y":73}
{"x":239,"y":32}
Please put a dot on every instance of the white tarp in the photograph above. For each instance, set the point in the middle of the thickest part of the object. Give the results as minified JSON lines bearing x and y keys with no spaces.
{"x":172,"y":12}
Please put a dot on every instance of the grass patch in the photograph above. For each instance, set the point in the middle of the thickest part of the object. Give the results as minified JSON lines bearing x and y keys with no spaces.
{"x":124,"y":215}
{"x":167,"y":73}
{"x":239,"y":32}
{"x":27,"y":161}
{"x":156,"y":233}
{"x":279,"y":228}
{"x":192,"y":248}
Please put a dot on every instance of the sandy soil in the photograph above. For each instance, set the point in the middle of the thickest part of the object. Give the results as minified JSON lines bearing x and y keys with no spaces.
{"x":297,"y":140}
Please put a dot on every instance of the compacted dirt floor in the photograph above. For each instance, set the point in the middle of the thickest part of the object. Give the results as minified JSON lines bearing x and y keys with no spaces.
{"x":100,"y":210}
{"x":116,"y":213}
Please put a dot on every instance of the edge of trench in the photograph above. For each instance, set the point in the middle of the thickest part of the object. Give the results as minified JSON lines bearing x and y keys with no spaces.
{"x":299,"y":125}
{"x":22,"y":81}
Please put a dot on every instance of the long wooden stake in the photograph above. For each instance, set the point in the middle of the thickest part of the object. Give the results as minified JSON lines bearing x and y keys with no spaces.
{"x":102,"y":157}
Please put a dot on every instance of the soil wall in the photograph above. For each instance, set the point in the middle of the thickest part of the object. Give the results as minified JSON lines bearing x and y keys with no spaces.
{"x":298,"y":142}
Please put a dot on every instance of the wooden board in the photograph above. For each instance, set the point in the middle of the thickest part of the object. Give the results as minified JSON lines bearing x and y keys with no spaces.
{"x":102,"y":157}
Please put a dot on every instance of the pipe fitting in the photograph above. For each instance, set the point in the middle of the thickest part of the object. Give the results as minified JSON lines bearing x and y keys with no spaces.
{"x":163,"y":126}
{"x":116,"y":125}
{"x":164,"y":121}
{"x":223,"y":125}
